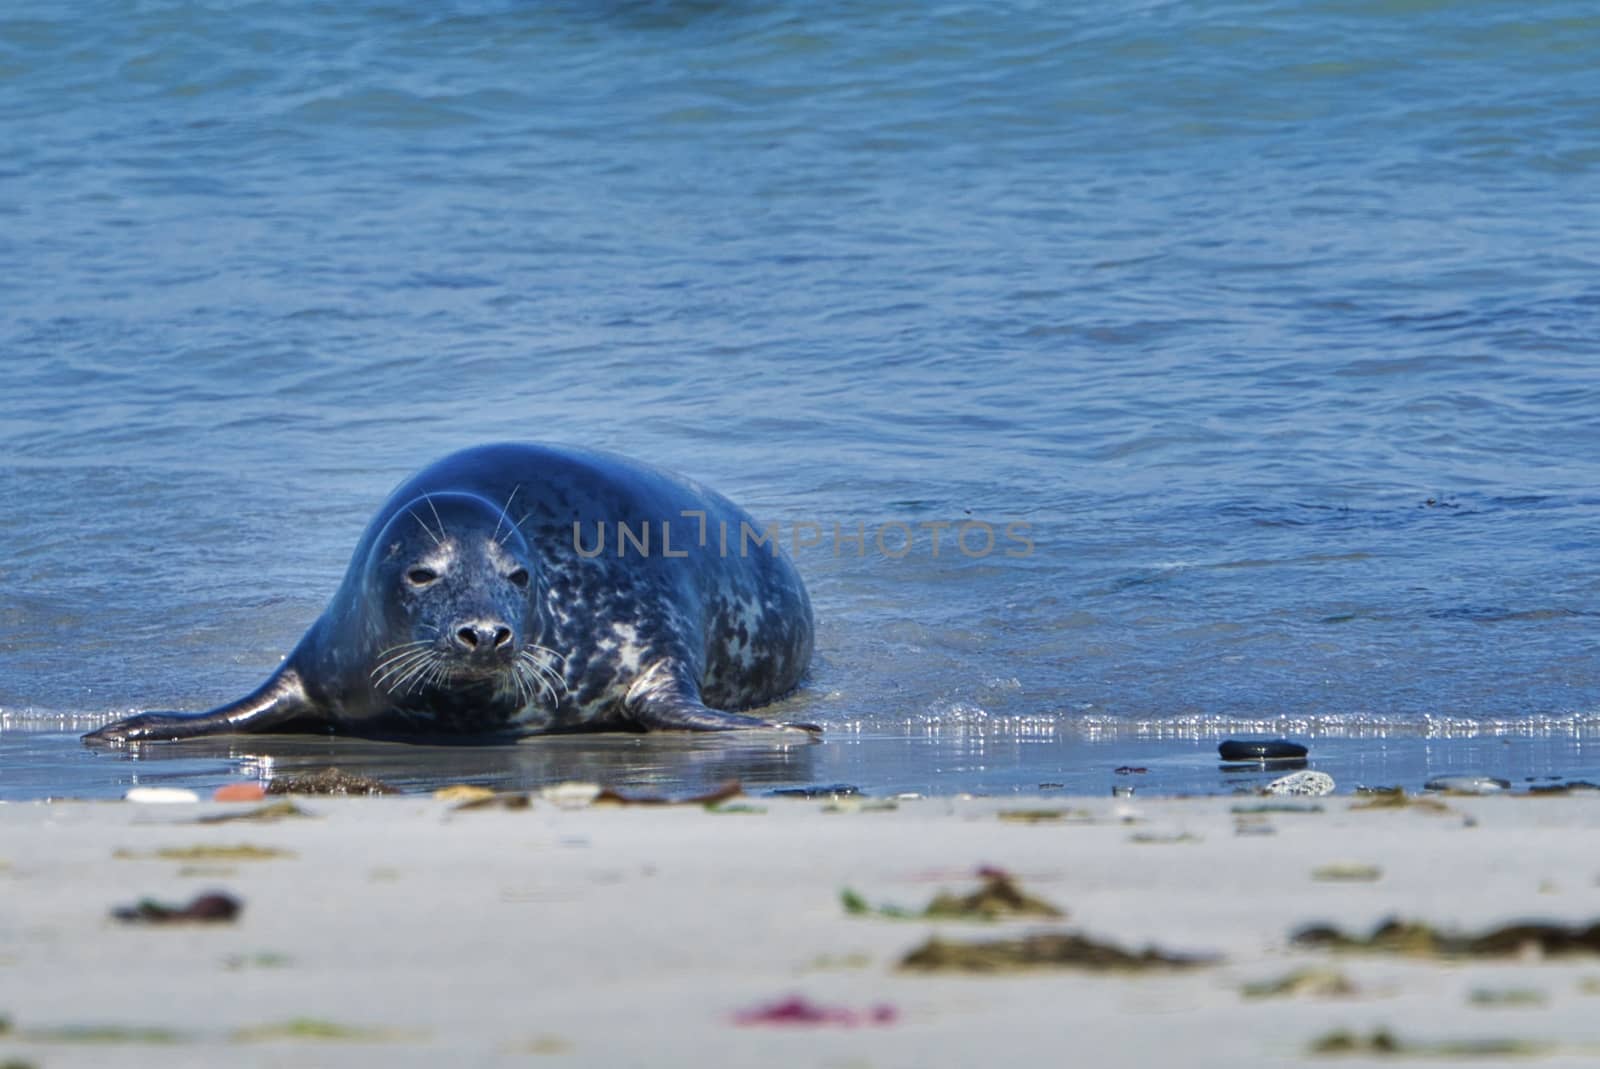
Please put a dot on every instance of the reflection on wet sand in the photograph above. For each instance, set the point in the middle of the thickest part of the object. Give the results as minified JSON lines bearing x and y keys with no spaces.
{"x":658,"y":762}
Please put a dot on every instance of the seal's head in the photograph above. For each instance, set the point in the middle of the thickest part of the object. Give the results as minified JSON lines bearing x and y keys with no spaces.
{"x":453,"y":605}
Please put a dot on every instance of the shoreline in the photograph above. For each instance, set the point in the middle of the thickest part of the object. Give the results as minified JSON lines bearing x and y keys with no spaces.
{"x":55,"y":764}
{"x":400,"y":930}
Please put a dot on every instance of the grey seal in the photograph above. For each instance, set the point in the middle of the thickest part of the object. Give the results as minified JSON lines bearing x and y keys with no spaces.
{"x":518,"y":589}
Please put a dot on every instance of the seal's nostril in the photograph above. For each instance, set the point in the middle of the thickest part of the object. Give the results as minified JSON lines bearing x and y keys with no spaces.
{"x":502,"y":635}
{"x":468,"y":637}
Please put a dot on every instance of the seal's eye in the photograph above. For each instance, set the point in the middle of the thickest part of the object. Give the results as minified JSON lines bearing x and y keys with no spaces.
{"x":421,"y":576}
{"x":519,"y":577}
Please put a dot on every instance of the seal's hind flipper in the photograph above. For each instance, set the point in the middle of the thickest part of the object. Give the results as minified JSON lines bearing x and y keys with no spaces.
{"x":279,"y":701}
{"x":660,"y":702}
{"x":678,"y":715}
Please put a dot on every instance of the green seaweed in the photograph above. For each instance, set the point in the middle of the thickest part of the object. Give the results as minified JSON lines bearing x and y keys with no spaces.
{"x":240,"y":852}
{"x":1314,"y":982}
{"x":102,"y":1033}
{"x":997,"y":897}
{"x":314,"y":1028}
{"x":1383,"y":1043}
{"x":1032,"y":816}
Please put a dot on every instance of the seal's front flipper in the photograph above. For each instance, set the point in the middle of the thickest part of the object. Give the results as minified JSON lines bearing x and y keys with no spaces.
{"x":658,"y":703}
{"x":280,"y":700}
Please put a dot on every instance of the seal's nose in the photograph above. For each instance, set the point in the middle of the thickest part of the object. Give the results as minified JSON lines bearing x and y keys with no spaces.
{"x":482,"y":635}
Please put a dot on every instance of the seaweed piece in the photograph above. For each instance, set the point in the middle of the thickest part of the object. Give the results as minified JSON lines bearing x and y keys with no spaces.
{"x":1415,"y":939}
{"x":264,"y":814}
{"x":999,"y":896}
{"x":492,"y":800}
{"x":317,"y":1029}
{"x":1043,"y":950}
{"x":720,"y":793}
{"x":1510,"y":996}
{"x":1382,"y":1042}
{"x":857,"y":906}
{"x":996,"y":898}
{"x":102,"y":1033}
{"x":1347,"y":872}
{"x":329,"y":781}
{"x":241,"y":852}
{"x":213,"y":908}
{"x":1032,"y":816}
{"x":1397,"y":798}
{"x":1317,"y":983}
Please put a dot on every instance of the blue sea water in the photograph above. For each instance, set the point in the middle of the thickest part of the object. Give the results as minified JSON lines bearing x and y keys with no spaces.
{"x":1272,"y":323}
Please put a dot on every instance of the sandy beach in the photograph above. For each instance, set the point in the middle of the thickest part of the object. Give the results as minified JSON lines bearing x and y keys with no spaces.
{"x":405,"y":931}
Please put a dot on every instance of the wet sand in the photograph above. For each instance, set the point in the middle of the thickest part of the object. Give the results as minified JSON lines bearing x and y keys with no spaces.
{"x":401,"y":931}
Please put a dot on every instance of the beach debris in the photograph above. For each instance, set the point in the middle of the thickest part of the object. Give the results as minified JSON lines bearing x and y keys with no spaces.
{"x":215,"y":907}
{"x":544,"y":1045}
{"x":1129,"y":770}
{"x":494,"y":800}
{"x":1567,"y":787}
{"x":266,"y":814}
{"x":738,"y":808}
{"x":1467,"y":785}
{"x":1347,"y":872}
{"x":462,"y":792}
{"x":998,"y":897}
{"x":1261,"y":750}
{"x":329,"y":781}
{"x":1042,"y":950}
{"x":831,"y":791}
{"x":239,"y":792}
{"x":570,"y":794}
{"x":315,"y":1028}
{"x":261,"y":959}
{"x":160,"y":795}
{"x":1383,"y":1043}
{"x":857,"y":906}
{"x":1122,"y":790}
{"x":861,"y":805}
{"x":838,"y":962}
{"x":720,"y":793}
{"x":242,"y":852}
{"x":1507,"y":997}
{"x":1152,"y":838}
{"x":1301,"y":783}
{"x":1032,"y":816}
{"x":1419,"y":940}
{"x":1313,"y":982}
{"x":797,"y":1010}
{"x":1052,"y":786}
{"x":1397,"y":798}
{"x":97,"y":1034}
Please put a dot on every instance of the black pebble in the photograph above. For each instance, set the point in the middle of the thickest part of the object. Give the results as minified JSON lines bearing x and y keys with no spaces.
{"x":1260,"y":750}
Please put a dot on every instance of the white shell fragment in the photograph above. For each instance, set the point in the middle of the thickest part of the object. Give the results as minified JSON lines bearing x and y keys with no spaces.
{"x":1301,"y":783}
{"x":160,"y":795}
